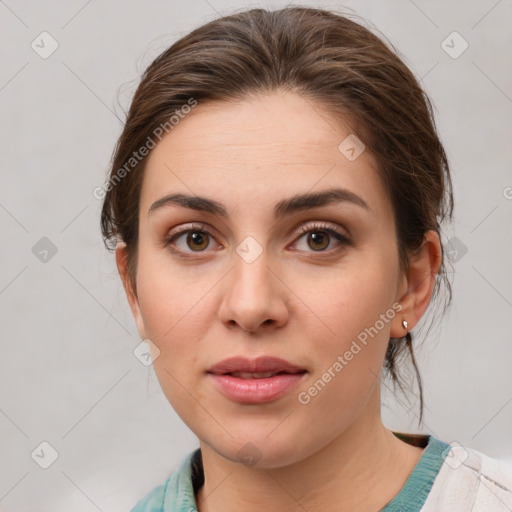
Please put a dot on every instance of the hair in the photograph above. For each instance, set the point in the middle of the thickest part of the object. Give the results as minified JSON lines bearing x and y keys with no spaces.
{"x":322,"y":56}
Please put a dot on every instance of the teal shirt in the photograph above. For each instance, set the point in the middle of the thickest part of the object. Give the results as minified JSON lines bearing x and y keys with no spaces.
{"x":177,"y":493}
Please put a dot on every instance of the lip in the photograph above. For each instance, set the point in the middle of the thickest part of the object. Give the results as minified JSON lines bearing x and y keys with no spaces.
{"x":260,"y":364}
{"x":255,"y":391}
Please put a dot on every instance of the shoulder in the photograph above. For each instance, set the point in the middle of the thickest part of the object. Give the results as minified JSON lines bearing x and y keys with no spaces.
{"x":176,"y":493}
{"x":471,"y":480}
{"x":153,"y":501}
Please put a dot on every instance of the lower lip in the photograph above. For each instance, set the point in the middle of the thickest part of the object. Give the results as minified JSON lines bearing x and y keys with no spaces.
{"x":256,"y":391}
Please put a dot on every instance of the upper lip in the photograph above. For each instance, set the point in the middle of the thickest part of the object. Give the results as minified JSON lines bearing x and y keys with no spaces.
{"x":260,"y":364}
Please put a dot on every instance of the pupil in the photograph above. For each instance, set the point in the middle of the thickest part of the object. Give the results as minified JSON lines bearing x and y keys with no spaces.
{"x":197,"y":237}
{"x":318,"y":238}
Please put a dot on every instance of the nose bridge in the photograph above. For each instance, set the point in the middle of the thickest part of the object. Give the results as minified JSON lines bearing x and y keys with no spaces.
{"x":251,"y":270}
{"x":252,"y":280}
{"x":252,"y":295}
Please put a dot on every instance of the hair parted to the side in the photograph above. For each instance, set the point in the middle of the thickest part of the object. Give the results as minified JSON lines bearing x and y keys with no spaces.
{"x":328,"y":59}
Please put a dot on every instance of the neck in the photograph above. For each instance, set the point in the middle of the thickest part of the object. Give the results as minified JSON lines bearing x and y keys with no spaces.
{"x":362,"y":469}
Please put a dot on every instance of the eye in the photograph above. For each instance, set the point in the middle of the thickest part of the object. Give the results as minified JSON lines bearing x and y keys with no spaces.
{"x":320,"y":236}
{"x":195,"y":237}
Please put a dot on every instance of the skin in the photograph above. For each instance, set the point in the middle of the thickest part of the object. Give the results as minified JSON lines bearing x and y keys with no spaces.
{"x":333,"y":453}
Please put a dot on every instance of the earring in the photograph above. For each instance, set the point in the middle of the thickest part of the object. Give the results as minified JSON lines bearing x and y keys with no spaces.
{"x":405,"y":323}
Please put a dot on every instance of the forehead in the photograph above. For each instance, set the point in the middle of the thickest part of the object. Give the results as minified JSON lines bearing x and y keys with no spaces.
{"x":269,"y":124}
{"x":260,"y":149}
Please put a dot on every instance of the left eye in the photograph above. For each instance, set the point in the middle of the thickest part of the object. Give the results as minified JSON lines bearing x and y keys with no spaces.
{"x":318,"y":238}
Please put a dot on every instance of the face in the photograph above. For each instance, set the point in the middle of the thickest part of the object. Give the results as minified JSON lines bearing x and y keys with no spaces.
{"x":314,"y":286}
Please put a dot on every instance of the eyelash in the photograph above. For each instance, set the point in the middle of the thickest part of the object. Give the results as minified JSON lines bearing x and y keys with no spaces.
{"x":309,"y":228}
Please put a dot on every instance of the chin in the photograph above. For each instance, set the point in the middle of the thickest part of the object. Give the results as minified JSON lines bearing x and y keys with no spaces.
{"x":259,"y":452}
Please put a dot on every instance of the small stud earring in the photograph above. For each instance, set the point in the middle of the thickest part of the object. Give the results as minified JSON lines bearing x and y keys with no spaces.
{"x":405,"y":323}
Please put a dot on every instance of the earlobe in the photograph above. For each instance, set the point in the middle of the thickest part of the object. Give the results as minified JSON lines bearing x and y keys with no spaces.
{"x":131,"y":296}
{"x":419,"y":284}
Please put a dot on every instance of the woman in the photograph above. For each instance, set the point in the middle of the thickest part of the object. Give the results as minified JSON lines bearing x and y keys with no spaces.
{"x":276,"y":199}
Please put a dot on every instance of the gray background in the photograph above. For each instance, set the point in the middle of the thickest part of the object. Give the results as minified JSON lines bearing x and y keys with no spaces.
{"x":68,"y":375}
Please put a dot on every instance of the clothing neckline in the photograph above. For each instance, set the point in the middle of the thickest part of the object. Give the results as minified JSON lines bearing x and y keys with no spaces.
{"x":418,"y":485}
{"x":189,"y":477}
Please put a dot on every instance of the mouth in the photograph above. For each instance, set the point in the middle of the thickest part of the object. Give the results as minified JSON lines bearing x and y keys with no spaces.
{"x":254,"y":382}
{"x":260,"y":375}
{"x":261,"y":367}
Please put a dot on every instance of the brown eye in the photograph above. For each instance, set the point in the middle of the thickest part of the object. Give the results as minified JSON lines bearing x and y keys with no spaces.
{"x":197,"y":240}
{"x":318,"y":237}
{"x":318,"y":240}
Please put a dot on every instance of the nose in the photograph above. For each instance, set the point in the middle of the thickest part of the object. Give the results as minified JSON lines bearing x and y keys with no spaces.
{"x":254,"y":297}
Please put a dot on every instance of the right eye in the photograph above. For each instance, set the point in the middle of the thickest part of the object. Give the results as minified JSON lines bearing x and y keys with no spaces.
{"x":191,"y":237}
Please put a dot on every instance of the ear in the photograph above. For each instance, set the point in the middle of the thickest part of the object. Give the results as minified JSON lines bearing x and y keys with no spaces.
{"x":417,"y":284}
{"x":131,"y":295}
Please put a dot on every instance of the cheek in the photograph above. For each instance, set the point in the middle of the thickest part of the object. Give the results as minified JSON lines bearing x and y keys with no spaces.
{"x":176,"y":309}
{"x":357,"y":314}
{"x":170,"y":318}
{"x":348,"y":300}
{"x":356,"y":310}
{"x":170,"y":299}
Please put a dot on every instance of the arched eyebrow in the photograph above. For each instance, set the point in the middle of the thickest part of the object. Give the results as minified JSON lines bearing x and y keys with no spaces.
{"x":289,"y":206}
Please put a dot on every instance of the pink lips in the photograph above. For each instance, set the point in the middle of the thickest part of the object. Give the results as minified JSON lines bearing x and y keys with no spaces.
{"x":231,"y":378}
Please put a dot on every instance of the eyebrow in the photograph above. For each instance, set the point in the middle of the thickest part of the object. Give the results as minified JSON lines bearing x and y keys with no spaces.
{"x":297,"y":203}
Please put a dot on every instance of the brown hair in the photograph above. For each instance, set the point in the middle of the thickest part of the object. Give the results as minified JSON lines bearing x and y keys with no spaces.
{"x":322,"y":56}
